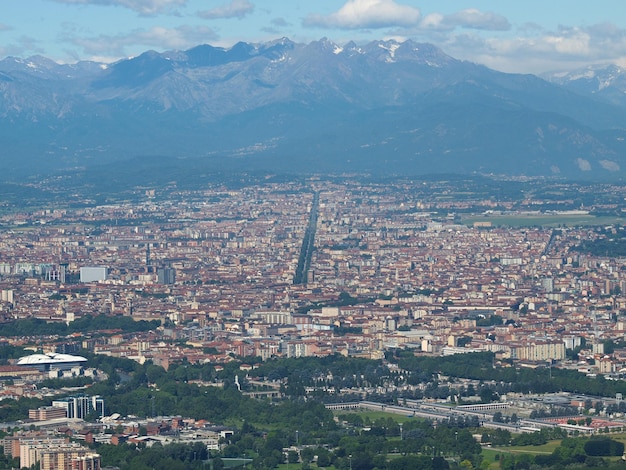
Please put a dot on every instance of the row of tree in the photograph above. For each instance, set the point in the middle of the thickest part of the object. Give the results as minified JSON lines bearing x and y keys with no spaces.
{"x":86,"y":324}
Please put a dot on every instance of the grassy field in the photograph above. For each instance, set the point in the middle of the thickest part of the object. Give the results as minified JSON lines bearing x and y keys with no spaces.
{"x":548,"y":220}
{"x":547,"y":448}
{"x":374,"y":415}
{"x":298,"y":466}
{"x":234,"y":463}
{"x":489,"y":453}
{"x":489,"y":456}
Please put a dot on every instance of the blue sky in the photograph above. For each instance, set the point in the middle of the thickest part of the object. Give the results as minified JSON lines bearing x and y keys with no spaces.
{"x":527,"y":36}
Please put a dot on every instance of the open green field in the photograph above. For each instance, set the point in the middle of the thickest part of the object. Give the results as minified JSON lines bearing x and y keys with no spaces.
{"x":298,"y":466}
{"x":489,"y":453}
{"x":548,"y":220}
{"x":236,"y":463}
{"x":547,"y":448}
{"x":375,"y":415}
{"x":489,"y":457}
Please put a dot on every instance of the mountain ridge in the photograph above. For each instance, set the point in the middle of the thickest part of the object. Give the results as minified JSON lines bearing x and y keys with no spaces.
{"x":316,"y":107}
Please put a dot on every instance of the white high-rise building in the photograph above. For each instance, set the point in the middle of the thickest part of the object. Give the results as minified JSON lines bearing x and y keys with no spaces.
{"x":93,"y":274}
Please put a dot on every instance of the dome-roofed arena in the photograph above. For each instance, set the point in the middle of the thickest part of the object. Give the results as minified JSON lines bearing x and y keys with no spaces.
{"x":45,"y":362}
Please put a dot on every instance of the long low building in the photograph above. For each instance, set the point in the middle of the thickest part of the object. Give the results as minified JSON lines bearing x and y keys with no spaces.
{"x":19,"y":372}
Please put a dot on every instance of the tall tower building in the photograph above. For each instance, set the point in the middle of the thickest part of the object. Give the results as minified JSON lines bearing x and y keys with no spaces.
{"x":166,"y":275}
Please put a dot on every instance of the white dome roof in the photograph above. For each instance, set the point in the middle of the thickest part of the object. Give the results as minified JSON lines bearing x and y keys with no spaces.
{"x":51,"y":358}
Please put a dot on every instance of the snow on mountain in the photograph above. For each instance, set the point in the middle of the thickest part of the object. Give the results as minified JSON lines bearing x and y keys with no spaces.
{"x":608,"y":80}
{"x":390,"y":106}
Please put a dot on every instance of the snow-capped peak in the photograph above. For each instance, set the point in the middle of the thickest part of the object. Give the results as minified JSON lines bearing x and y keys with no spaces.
{"x":391,"y":47}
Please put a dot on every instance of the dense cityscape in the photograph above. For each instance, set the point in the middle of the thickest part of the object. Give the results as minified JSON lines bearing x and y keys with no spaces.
{"x":237,"y":289}
{"x":342,"y":235}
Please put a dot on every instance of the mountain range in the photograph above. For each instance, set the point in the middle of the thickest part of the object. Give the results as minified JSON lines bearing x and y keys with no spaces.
{"x":384,"y":108}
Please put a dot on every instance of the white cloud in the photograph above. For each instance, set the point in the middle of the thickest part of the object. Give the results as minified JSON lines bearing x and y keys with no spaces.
{"x":143,"y":7}
{"x":577,"y":45}
{"x":583,"y":164}
{"x":4,"y":27}
{"x":475,"y":19}
{"x":470,"y":18}
{"x":433,"y":21}
{"x":233,"y":9}
{"x":534,"y":50}
{"x":609,"y":165}
{"x":356,"y":14}
{"x":138,"y":41}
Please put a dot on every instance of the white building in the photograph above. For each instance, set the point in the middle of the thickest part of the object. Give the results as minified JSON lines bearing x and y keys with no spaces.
{"x":93,"y":274}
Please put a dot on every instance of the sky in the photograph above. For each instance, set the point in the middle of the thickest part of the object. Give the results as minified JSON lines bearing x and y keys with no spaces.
{"x":520,"y":36}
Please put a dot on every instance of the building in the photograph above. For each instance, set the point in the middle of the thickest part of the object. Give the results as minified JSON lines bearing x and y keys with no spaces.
{"x":539,"y":351}
{"x":30,"y":449}
{"x":50,"y":361}
{"x":54,"y":455}
{"x":69,"y":457}
{"x":166,"y":275}
{"x":93,"y":274}
{"x":89,"y":461}
{"x":7,"y":295}
{"x":45,"y":413}
{"x":17,"y":372}
{"x":81,"y":406}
